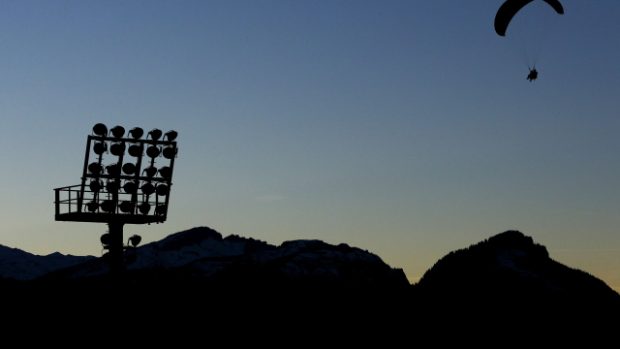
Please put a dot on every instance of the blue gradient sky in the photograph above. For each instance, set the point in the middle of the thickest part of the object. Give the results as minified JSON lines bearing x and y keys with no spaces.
{"x":403,"y":127}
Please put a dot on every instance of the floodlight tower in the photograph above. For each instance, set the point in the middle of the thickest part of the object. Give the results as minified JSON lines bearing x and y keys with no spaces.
{"x":120,"y":185}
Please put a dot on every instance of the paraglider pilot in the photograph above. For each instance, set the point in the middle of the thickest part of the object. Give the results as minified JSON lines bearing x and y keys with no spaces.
{"x":533,"y":75}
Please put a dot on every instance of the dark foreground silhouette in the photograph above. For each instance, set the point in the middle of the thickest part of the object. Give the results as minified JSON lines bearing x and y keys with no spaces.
{"x":197,"y":279}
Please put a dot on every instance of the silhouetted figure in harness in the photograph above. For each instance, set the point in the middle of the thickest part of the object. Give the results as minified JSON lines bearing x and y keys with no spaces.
{"x":533,"y":75}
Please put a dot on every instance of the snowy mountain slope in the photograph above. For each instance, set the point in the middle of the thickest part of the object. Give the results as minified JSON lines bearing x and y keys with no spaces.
{"x":203,"y":254}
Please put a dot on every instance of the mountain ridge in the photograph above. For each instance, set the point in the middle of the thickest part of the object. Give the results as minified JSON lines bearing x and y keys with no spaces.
{"x":509,"y":264}
{"x":510,"y":268}
{"x":202,"y":254}
{"x":506,"y":284}
{"x":21,"y":265}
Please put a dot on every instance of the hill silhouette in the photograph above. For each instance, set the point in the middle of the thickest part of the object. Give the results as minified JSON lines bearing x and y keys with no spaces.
{"x":202,"y":255}
{"x":511,"y":265}
{"x":21,"y":265}
{"x":510,"y":279}
{"x":505,"y":282}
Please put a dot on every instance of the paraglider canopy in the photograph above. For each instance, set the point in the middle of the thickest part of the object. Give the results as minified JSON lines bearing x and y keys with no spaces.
{"x":510,"y":8}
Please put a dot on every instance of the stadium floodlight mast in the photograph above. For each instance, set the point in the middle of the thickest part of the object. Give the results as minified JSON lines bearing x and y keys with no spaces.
{"x":125,"y":180}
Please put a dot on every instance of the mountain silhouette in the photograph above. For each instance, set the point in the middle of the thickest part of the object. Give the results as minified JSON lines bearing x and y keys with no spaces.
{"x":506,"y":284}
{"x":202,"y":255}
{"x":199,"y":275}
{"x":508,"y":276}
{"x":20,"y":265}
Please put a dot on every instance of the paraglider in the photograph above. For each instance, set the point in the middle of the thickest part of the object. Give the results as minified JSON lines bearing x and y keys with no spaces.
{"x":510,"y":8}
{"x":505,"y":15}
{"x":533,"y":75}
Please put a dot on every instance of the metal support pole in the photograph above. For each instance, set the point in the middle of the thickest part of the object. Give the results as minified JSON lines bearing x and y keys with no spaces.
{"x":116,"y":254}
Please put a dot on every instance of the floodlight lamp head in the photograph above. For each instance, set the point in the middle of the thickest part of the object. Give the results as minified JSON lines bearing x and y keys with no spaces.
{"x":112,"y":186}
{"x":148,"y":189}
{"x":160,"y":210}
{"x":117,"y":148}
{"x":171,"y":135}
{"x":144,"y":207}
{"x":117,"y":131}
{"x":150,"y":171}
{"x":127,"y":206}
{"x":136,"y":132}
{"x":108,"y":206}
{"x":130,"y":187}
{"x":155,"y":134}
{"x":129,"y":168}
{"x":153,"y":151}
{"x":165,"y":172}
{"x":169,"y":152}
{"x":134,"y":240}
{"x":105,"y":239}
{"x":162,"y":190}
{"x":95,"y":185}
{"x":113,"y":170}
{"x":100,"y":130}
{"x":92,"y":206}
{"x":100,"y":148}
{"x":135,"y":150}
{"x":95,"y":168}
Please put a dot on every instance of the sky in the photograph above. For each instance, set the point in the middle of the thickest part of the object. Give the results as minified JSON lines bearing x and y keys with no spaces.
{"x":406,"y":128}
